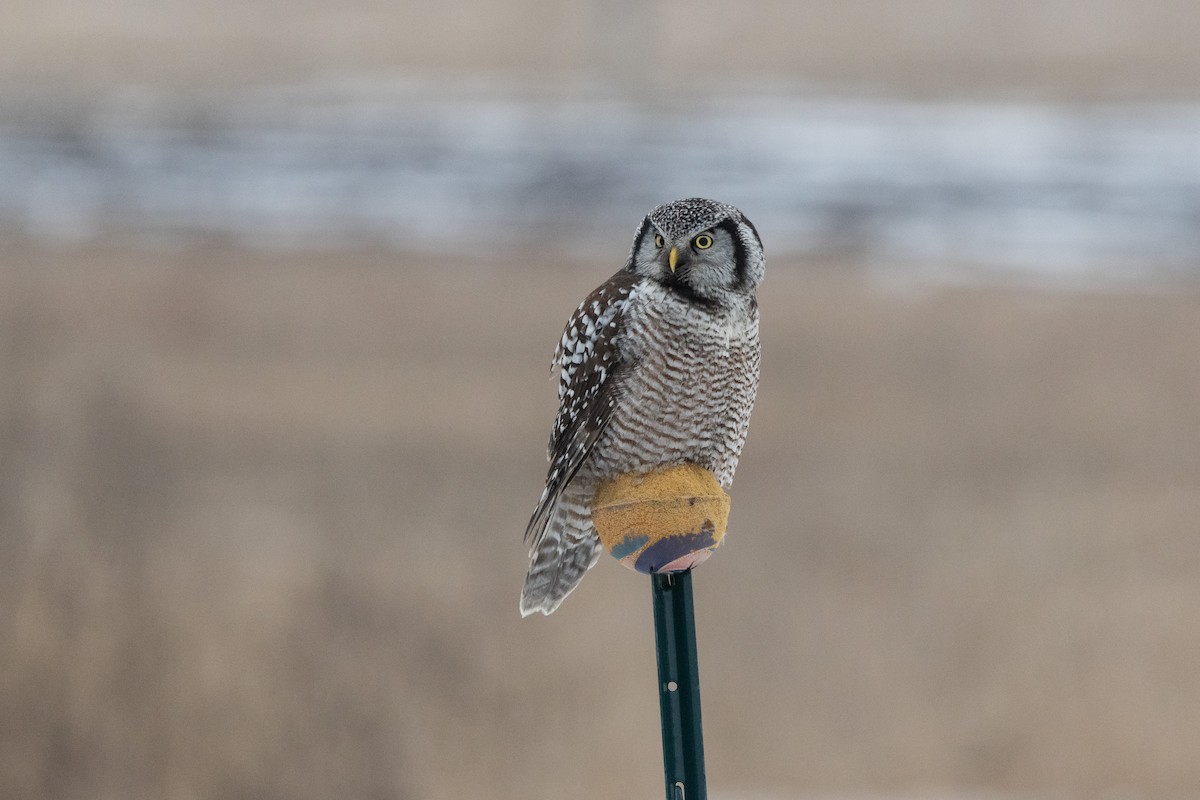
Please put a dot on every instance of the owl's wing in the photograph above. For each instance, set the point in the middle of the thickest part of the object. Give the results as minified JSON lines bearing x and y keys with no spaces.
{"x":590,"y":368}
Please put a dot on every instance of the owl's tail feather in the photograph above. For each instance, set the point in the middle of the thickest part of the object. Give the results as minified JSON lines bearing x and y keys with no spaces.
{"x":558,"y":562}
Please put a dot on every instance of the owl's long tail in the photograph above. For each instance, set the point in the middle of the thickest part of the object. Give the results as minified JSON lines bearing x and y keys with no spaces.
{"x":566,"y":551}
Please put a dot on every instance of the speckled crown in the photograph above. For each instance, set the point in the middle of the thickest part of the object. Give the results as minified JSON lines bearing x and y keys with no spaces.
{"x":682,"y":218}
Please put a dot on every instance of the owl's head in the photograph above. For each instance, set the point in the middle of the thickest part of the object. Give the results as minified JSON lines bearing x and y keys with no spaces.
{"x":700,"y":248}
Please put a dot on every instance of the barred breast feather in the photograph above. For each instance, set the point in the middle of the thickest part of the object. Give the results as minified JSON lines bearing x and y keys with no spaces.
{"x":690,"y":388}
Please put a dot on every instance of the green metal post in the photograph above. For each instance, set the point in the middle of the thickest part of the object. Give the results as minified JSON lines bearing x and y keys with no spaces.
{"x":679,"y":686}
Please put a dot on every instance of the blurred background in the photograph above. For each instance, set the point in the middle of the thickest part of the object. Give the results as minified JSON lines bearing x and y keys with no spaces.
{"x":279,"y":285}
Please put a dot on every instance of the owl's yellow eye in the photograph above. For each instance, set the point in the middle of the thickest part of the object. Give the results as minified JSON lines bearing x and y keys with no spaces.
{"x":658,"y":241}
{"x":703,"y":241}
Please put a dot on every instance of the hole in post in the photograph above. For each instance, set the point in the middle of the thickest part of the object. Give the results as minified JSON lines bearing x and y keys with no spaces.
{"x":672,"y":686}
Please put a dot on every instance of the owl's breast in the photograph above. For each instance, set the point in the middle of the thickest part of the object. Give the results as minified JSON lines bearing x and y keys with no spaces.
{"x":688,"y":391}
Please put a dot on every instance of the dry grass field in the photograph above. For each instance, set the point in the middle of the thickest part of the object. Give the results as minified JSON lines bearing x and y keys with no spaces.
{"x":1064,"y":49}
{"x":261,"y":514}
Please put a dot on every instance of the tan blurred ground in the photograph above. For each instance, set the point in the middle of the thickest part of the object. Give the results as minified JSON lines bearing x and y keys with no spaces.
{"x":1053,"y":48}
{"x":262,"y":515}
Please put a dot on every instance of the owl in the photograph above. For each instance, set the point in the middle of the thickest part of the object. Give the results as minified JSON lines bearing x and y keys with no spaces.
{"x":658,"y":366}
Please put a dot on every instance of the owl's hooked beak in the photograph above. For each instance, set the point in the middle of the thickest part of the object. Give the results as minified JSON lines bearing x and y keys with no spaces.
{"x":672,"y":257}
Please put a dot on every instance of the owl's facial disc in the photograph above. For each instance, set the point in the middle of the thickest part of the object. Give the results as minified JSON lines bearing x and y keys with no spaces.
{"x":698,"y":248}
{"x":692,"y":259}
{"x":679,"y":255}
